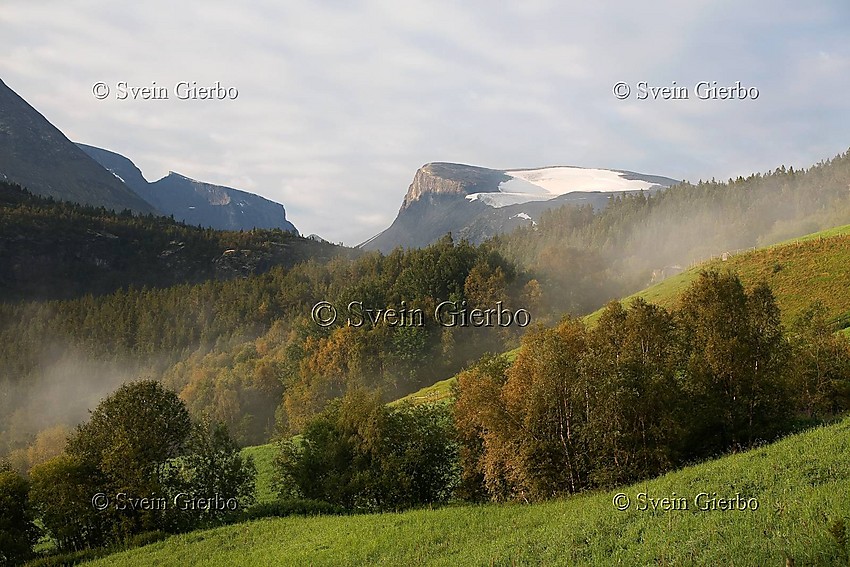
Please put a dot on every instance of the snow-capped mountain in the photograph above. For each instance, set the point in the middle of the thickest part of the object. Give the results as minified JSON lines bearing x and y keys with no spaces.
{"x":477,"y":203}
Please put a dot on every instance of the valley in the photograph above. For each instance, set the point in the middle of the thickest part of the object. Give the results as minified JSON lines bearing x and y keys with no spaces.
{"x":673,"y":383}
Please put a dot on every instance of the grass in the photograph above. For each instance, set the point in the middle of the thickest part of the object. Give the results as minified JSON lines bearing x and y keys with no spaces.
{"x":440,"y":391}
{"x":812,"y":268}
{"x":437,"y":392}
{"x":263,"y":456}
{"x":801,"y":485}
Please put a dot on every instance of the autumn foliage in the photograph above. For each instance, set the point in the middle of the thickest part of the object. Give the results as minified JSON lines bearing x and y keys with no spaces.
{"x":643,"y":391}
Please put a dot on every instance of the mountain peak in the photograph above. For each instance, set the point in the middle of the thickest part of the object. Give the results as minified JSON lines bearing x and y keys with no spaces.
{"x":477,"y":203}
{"x":36,"y":155}
{"x":450,"y":179}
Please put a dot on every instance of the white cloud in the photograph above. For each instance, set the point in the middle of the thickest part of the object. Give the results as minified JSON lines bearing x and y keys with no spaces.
{"x":340,"y":102}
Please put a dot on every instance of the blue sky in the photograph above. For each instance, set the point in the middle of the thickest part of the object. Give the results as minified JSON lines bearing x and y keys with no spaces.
{"x":340,"y":102}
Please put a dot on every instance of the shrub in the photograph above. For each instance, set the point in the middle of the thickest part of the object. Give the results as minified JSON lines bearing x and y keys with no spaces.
{"x":17,"y":532}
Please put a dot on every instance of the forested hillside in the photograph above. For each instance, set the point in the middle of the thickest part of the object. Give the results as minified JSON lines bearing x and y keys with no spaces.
{"x":809,"y":277}
{"x":245,"y":351}
{"x":57,"y":250}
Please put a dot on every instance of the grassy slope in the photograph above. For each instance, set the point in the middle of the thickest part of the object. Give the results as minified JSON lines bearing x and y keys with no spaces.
{"x":436,"y":392}
{"x":812,"y":268}
{"x":263,"y":456}
{"x":439,"y":391}
{"x":801,"y":484}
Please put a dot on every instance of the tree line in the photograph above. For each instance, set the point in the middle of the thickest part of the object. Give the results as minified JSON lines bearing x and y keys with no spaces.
{"x":643,"y":391}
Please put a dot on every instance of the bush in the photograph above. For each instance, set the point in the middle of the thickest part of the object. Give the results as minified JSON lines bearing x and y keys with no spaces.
{"x":17,"y":532}
{"x":130,"y":440}
{"x":61,"y":491}
{"x":360,"y":455}
{"x":212,"y":468}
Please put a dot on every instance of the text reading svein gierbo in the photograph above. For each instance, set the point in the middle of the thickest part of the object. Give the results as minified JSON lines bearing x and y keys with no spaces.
{"x":446,"y":314}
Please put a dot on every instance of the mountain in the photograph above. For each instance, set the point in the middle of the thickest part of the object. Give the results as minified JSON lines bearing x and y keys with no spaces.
{"x":477,"y":203}
{"x":196,"y":202}
{"x":59,"y":250}
{"x":36,"y":155}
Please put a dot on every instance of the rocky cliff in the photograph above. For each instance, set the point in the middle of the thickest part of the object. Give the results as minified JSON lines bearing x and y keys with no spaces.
{"x":196,"y":202}
{"x":440,"y":178}
{"x":477,"y":203}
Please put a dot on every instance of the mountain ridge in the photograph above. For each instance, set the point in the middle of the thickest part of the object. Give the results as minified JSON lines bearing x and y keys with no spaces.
{"x":37,"y":155}
{"x":195,"y":202}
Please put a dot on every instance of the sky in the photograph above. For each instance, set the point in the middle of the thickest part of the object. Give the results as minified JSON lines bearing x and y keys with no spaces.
{"x":339,"y":103}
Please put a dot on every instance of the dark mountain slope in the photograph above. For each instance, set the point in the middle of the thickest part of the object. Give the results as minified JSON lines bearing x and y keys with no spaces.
{"x":36,"y":155}
{"x":55,"y":250}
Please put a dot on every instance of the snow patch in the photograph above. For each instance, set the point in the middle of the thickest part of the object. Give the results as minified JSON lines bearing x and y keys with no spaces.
{"x":526,"y":217}
{"x":544,"y":184}
{"x":499,"y":200}
{"x":563,"y":180}
{"x":118,"y":176}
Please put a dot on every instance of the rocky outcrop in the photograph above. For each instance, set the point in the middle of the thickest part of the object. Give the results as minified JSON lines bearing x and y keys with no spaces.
{"x":451,"y":179}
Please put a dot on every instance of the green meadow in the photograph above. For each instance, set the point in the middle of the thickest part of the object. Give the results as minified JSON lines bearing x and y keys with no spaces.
{"x":801,"y":485}
{"x":800,"y":272}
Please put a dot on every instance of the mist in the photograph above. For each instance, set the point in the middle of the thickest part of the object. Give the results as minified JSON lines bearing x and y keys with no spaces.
{"x":62,"y":390}
{"x":590,"y":258}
